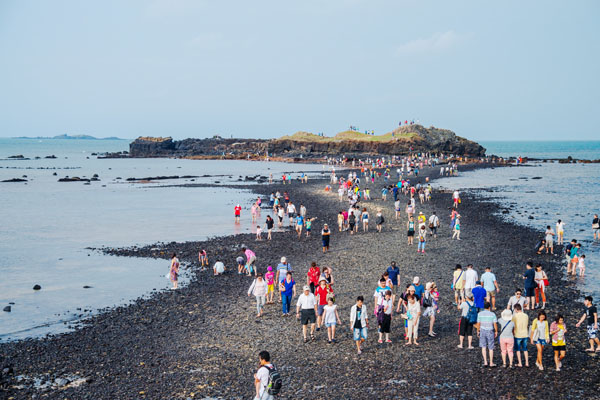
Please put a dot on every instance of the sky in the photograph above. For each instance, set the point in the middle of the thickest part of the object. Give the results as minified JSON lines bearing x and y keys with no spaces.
{"x":509,"y":70}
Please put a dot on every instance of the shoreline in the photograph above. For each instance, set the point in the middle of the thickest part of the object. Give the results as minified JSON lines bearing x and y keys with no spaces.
{"x":182,"y":340}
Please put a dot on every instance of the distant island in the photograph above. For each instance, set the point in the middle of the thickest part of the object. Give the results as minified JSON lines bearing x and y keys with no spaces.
{"x":303,"y":145}
{"x":71,"y":137}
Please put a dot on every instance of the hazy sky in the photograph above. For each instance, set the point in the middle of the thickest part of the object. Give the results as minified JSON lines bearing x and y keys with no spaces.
{"x":502,"y":70}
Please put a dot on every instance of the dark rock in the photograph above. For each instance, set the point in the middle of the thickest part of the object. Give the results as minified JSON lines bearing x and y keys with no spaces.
{"x":17,"y":156}
{"x":36,"y":287}
{"x":73,"y":179}
{"x":15,"y":180}
{"x":51,"y":157}
{"x":7,"y":309}
{"x":87,"y":287}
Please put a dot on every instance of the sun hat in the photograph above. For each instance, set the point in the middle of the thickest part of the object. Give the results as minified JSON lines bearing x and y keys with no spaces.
{"x":506,"y":315}
{"x":306,"y":287}
{"x":322,"y":278}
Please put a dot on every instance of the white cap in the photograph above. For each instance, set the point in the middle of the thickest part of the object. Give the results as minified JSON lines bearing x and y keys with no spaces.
{"x":283,"y":259}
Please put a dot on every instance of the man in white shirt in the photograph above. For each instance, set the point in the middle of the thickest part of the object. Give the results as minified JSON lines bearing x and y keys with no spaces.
{"x":471,"y":277}
{"x":261,"y":378}
{"x":219,"y":267}
{"x":307,"y":302}
{"x":434,"y":223}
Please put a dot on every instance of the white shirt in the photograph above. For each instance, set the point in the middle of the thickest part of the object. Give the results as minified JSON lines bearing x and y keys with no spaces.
{"x":560,"y":227}
{"x":263,"y":376}
{"x":455,"y":195}
{"x":291,"y":209}
{"x":306,"y":302}
{"x":219,"y":267}
{"x":470,"y":278}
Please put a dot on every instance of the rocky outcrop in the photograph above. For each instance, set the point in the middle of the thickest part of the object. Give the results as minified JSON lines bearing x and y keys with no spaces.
{"x":405,"y":139}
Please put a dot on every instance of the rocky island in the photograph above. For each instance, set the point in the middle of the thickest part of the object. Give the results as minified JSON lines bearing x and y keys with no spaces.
{"x":415,"y":138}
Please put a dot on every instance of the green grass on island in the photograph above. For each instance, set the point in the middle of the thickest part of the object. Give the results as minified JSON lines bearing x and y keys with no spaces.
{"x":347,"y":135}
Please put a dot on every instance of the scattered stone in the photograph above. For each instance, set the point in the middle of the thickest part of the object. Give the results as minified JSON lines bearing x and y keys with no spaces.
{"x":37,"y":287}
{"x":7,"y":309}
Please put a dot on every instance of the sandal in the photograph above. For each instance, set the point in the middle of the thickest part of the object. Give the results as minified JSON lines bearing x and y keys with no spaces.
{"x":312,"y":337}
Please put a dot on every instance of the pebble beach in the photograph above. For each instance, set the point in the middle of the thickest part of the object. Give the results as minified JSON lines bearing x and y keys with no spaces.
{"x":202,"y":340}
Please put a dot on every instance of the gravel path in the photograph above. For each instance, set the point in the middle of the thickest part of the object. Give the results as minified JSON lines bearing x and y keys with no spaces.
{"x":202,"y":340}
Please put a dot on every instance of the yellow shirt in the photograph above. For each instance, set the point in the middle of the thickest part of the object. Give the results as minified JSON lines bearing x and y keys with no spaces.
{"x":521,"y":321}
{"x":459,"y":283}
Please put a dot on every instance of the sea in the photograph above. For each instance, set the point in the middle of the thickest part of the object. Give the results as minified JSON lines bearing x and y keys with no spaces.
{"x":48,"y":227}
{"x":542,"y":192}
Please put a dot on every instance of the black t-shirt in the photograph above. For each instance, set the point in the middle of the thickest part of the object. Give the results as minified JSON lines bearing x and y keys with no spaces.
{"x":270,"y":223}
{"x":357,"y":323}
{"x":590,"y":311}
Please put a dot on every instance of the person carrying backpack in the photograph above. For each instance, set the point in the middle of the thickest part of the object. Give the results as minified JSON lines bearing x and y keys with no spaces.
{"x":467,"y":320}
{"x":267,"y":380}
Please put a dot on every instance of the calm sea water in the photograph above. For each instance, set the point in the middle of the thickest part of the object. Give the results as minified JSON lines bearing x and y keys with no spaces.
{"x":583,"y":150}
{"x":568,"y":192}
{"x":47,"y":226}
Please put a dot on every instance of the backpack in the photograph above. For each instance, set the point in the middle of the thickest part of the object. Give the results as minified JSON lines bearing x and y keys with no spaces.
{"x":427,"y":302}
{"x":275,"y":381}
{"x":472,"y":313}
{"x":380,"y":312}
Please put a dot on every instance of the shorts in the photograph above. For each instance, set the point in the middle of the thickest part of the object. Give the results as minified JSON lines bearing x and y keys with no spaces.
{"x":252,"y":260}
{"x":308,"y":315}
{"x":320,"y":309}
{"x":596,"y":230}
{"x":492,"y":293}
{"x":459,"y":292}
{"x":271,"y":288}
{"x":592,"y":333}
{"x":330,"y":324}
{"x":549,"y":243}
{"x":292,"y":215}
{"x":385,"y":326}
{"x":351,"y":225}
{"x":486,"y":339}
{"x":468,"y":292}
{"x":521,"y":344}
{"x":529,"y":292}
{"x":507,"y":345}
{"x":541,"y":342}
{"x":410,"y":233}
{"x":360,"y":333}
{"x":280,"y":218}
{"x":429,"y":312}
{"x":559,"y":348}
{"x":465,"y":328}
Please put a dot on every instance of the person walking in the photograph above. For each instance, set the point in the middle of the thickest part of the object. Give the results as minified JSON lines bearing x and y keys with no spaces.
{"x":507,"y":337}
{"x":282,"y":269}
{"x":456,"y":230}
{"x":174,"y":270}
{"x":521,"y":321}
{"x":413,"y":314}
{"x":487,"y":329}
{"x":287,"y":290}
{"x":434,"y":224}
{"x":488,"y":280}
{"x":541,"y":280}
{"x":458,"y":284}
{"x":267,"y":381}
{"x":471,"y":277}
{"x":530,"y":285}
{"x":430,"y":306}
{"x":312,"y":276}
{"x":269,"y":223}
{"x":331,"y":318}
{"x":468,"y":317}
{"x":359,"y":322}
{"x":384,"y":316}
{"x":325,"y":238}
{"x":323,"y":292}
{"x":379,"y":220}
{"x":259,"y":290}
{"x":591,"y":315}
{"x":596,"y":227}
{"x":540,"y":336}
{"x":422,"y":237}
{"x":307,"y":303}
{"x":549,"y":240}
{"x":410,"y":229}
{"x":558,"y":329}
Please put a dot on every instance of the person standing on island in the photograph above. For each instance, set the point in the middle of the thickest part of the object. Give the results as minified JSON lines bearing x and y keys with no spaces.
{"x":540,"y":336}
{"x":269,"y":226}
{"x":458,"y":284}
{"x":287,"y":290}
{"x":596,"y":227}
{"x":308,"y":304}
{"x":359,"y":322}
{"x":591,"y":313}
{"x":471,"y":277}
{"x":174,"y":270}
{"x":259,"y":290}
{"x":325,"y":238}
{"x":203,"y":258}
{"x":282,"y":269}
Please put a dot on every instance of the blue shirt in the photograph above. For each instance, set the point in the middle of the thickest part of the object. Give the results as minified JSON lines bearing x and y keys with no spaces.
{"x":393,"y":274}
{"x":479,"y":294}
{"x":419,"y":290}
{"x":488,"y":279}
{"x":530,"y":279}
{"x":289,"y":287}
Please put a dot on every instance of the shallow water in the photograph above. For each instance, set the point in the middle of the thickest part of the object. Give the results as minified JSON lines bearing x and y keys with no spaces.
{"x":565,"y":191}
{"x":47,"y":225}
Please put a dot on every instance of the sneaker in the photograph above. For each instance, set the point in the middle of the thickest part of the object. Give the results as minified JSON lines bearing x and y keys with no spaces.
{"x":388,"y":341}
{"x":559,"y":365}
{"x":318,"y":329}
{"x":380,"y":341}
